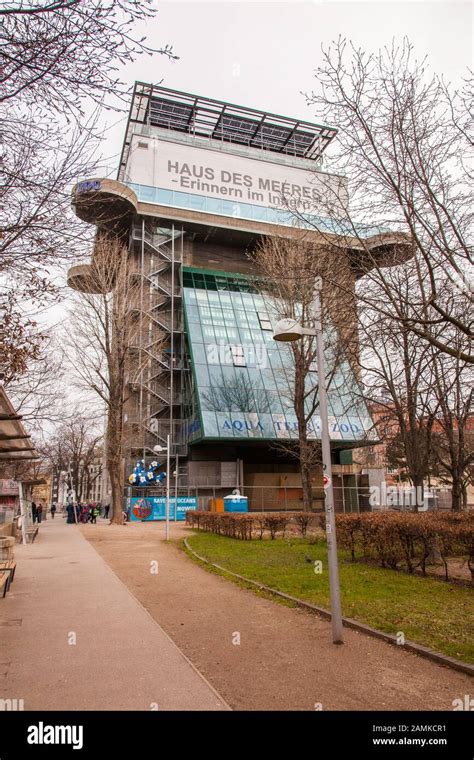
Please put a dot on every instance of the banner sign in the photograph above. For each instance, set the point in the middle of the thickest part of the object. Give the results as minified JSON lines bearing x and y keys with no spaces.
{"x":218,"y":174}
{"x":149,"y":508}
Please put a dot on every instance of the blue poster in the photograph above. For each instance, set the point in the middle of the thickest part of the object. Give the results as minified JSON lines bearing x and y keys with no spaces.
{"x":154,"y":507}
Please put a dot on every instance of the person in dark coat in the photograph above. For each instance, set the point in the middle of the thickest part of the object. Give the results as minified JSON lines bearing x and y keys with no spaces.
{"x":70,"y":514}
{"x":34,"y":512}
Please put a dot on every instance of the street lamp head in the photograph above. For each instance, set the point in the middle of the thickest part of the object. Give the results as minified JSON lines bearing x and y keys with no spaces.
{"x":287,"y":330}
{"x":158,"y":449}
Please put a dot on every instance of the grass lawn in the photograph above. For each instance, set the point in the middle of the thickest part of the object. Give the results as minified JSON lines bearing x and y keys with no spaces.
{"x":431,"y":612}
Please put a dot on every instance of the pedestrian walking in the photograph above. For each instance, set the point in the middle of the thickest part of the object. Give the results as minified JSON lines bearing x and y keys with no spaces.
{"x":34,"y":512}
{"x":70,"y":514}
{"x":83,"y":513}
{"x":53,"y":509}
{"x":95,"y":512}
{"x":106,"y":511}
{"x":39,"y":511}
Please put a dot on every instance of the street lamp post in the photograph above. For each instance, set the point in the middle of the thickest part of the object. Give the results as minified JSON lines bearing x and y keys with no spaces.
{"x":290,"y":330}
{"x":160,"y":450}
{"x":175,"y":475}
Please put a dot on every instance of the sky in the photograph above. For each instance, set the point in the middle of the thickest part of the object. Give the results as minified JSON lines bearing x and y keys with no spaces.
{"x":264,"y":54}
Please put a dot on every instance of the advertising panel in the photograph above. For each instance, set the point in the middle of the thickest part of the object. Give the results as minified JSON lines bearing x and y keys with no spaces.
{"x":149,"y":508}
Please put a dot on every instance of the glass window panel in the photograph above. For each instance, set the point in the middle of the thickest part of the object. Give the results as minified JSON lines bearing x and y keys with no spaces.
{"x":192,"y":313}
{"x":211,"y":424}
{"x":224,"y":425}
{"x":202,"y":375}
{"x":195,"y":332}
{"x":199,"y":353}
{"x":238,"y":356}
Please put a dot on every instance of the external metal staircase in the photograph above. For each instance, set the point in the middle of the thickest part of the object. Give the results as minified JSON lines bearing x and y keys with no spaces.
{"x":158,"y":344}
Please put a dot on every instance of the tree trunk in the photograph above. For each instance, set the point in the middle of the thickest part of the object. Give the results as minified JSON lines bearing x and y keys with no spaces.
{"x":114,"y":462}
{"x":114,"y":469}
{"x":456,"y":493}
{"x":306,"y":480}
{"x":419,"y":493}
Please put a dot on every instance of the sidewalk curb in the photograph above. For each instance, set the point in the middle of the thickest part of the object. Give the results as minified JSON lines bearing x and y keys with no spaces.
{"x":410,"y":646}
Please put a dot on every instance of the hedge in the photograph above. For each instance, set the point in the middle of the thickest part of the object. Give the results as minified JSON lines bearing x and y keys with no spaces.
{"x":407,"y":539}
{"x":248,"y":525}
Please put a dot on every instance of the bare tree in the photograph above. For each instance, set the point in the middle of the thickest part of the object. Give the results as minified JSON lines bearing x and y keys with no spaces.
{"x":288,"y":268}
{"x":398,"y":374}
{"x":38,"y":393}
{"x":453,"y":438}
{"x":422,"y":393}
{"x":103,"y":333}
{"x":75,"y":448}
{"x":59,"y":63}
{"x":63,"y":52}
{"x":403,"y":140}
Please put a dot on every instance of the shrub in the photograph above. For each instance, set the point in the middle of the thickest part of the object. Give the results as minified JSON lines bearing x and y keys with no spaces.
{"x":275,"y":522}
{"x":303,"y":521}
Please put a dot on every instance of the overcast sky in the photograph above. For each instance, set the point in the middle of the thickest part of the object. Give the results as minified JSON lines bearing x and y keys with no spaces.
{"x":264,"y":54}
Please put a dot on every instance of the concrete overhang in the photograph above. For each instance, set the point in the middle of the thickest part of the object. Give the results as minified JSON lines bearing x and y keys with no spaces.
{"x":385,"y":249}
{"x":81,"y":278}
{"x":381,"y":249}
{"x":105,"y":202}
{"x":111,"y":205}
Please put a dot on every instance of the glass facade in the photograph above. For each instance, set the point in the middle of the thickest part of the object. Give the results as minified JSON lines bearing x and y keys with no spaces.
{"x":243,"y":378}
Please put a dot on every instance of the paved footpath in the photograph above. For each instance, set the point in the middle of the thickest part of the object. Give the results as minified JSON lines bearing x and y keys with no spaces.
{"x":121,"y":659}
{"x":283,"y":658}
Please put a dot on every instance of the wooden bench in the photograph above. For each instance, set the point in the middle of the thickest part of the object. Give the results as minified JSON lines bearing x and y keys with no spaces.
{"x":8,"y":566}
{"x":4,"y":583}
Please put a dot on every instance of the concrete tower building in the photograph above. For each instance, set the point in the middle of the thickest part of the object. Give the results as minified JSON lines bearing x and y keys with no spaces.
{"x":200,"y":182}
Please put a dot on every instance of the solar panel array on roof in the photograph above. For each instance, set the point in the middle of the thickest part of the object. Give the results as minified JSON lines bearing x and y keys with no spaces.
{"x":261,"y":134}
{"x":231,"y":128}
{"x":214,"y":119}
{"x":164,"y":113}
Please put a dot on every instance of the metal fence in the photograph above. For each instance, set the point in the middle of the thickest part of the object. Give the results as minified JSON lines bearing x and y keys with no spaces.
{"x":260,"y":498}
{"x":264,"y":498}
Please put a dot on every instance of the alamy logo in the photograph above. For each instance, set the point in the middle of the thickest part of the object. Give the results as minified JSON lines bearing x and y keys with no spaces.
{"x":42,"y":734}
{"x":466,"y":703}
{"x":12,"y":705}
